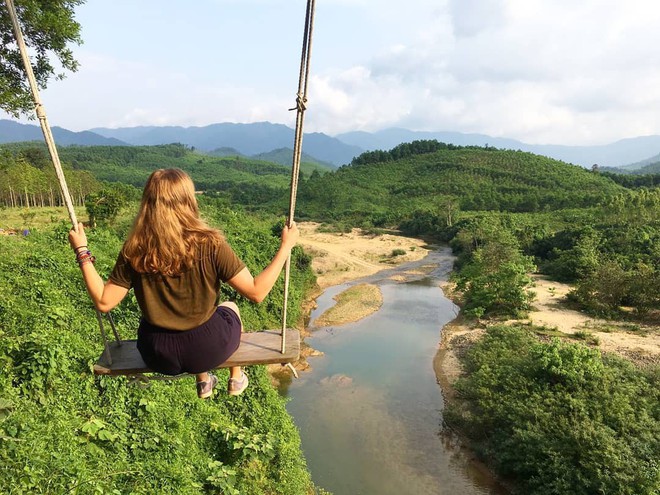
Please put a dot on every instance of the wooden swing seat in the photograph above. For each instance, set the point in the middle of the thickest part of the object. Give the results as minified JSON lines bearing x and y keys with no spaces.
{"x":255,"y":348}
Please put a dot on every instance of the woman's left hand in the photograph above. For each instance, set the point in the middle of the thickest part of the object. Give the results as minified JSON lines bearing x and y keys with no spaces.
{"x":78,"y":239}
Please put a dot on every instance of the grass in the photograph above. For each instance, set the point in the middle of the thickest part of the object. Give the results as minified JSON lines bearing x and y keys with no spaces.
{"x":18,"y":219}
{"x":604,"y":327}
{"x":586,"y":337}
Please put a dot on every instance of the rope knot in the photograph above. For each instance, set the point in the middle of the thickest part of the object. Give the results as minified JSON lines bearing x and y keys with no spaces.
{"x":301,"y":103}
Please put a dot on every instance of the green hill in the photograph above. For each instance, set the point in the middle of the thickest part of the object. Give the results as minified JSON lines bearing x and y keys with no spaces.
{"x":133,"y":164}
{"x":241,"y":180}
{"x":284,"y":156}
{"x":387,"y":186}
{"x":225,"y":151}
{"x":381,"y":188}
{"x":651,"y":168}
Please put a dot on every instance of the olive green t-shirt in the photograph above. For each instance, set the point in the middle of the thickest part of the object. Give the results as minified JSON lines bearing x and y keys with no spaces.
{"x":185,"y":301}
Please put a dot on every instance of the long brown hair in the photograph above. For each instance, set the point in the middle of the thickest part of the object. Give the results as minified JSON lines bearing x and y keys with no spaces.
{"x":168,"y":234}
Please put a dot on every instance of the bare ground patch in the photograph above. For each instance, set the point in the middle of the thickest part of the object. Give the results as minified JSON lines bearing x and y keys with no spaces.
{"x":639,"y":343}
{"x":341,"y":257}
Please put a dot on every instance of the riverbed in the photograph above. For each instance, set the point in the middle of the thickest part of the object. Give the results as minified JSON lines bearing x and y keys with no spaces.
{"x":370,"y":410}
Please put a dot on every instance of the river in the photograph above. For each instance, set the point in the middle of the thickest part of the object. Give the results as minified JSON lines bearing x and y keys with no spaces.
{"x":370,"y":410}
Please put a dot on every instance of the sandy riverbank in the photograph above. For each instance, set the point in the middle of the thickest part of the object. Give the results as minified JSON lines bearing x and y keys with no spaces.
{"x":351,"y":305}
{"x":639,"y":343}
{"x":342,"y":257}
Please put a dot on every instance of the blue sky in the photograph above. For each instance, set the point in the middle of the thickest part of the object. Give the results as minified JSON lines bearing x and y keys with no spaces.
{"x":541,"y":71}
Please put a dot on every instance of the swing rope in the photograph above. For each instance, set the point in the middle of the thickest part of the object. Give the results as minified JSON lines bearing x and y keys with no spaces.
{"x":41,"y":113}
{"x":301,"y":106}
{"x":50,"y":143}
{"x":301,"y":102}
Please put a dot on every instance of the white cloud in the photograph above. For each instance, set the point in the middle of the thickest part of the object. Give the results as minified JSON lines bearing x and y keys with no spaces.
{"x":572,"y":72}
{"x":555,"y":72}
{"x":470,"y":17}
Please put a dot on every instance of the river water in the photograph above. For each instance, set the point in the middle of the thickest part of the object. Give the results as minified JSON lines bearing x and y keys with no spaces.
{"x":370,"y":410}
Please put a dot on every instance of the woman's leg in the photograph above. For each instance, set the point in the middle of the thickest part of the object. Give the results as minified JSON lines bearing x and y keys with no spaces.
{"x":234,"y":371}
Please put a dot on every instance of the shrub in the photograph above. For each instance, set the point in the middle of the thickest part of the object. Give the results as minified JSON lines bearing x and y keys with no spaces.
{"x":559,"y":418}
{"x":103,"y":207}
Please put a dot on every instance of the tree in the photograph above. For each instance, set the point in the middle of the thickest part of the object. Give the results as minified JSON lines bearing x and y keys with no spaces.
{"x":494,"y":275}
{"x":48,"y":29}
{"x":103,"y":207}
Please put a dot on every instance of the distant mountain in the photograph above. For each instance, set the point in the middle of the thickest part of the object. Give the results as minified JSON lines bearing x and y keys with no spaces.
{"x":247,"y":139}
{"x":284,"y":156}
{"x":651,"y":168}
{"x":389,"y":138}
{"x":265,"y":137}
{"x":615,"y":154}
{"x":610,"y":155}
{"x":13,"y":132}
{"x":225,"y":151}
{"x":638,"y":166}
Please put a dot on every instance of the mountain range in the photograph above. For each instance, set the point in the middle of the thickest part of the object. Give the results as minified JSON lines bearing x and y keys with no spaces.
{"x":265,"y":137}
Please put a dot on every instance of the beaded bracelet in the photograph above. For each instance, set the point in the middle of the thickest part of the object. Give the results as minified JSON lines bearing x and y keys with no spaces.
{"x":83,"y":257}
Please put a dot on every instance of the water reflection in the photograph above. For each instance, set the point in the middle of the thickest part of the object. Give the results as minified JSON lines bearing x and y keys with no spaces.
{"x":370,"y":411}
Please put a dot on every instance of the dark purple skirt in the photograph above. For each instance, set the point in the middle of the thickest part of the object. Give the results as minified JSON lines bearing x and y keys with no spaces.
{"x":201,"y":349}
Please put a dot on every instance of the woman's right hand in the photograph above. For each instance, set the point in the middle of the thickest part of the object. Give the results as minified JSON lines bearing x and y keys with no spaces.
{"x":290,"y":236}
{"x":78,"y":239}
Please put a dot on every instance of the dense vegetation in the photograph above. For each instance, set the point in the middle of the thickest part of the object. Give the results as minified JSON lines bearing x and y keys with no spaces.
{"x":450,"y":177}
{"x":62,"y":430}
{"x":634,"y":180}
{"x":549,"y":212}
{"x":27,"y":178}
{"x":560,"y":418}
{"x":505,"y":214}
{"x":27,"y":166}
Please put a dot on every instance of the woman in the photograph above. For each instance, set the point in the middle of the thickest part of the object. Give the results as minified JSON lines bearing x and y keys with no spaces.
{"x":175,"y":263}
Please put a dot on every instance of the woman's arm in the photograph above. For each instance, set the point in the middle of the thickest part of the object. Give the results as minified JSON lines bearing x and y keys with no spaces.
{"x":257,"y":288}
{"x":105,"y":296}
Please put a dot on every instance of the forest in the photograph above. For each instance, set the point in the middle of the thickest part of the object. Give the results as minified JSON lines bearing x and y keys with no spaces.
{"x":506,"y":214}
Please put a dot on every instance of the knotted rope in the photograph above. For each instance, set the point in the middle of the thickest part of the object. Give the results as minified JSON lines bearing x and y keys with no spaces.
{"x":41,"y":113}
{"x":301,"y":106}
